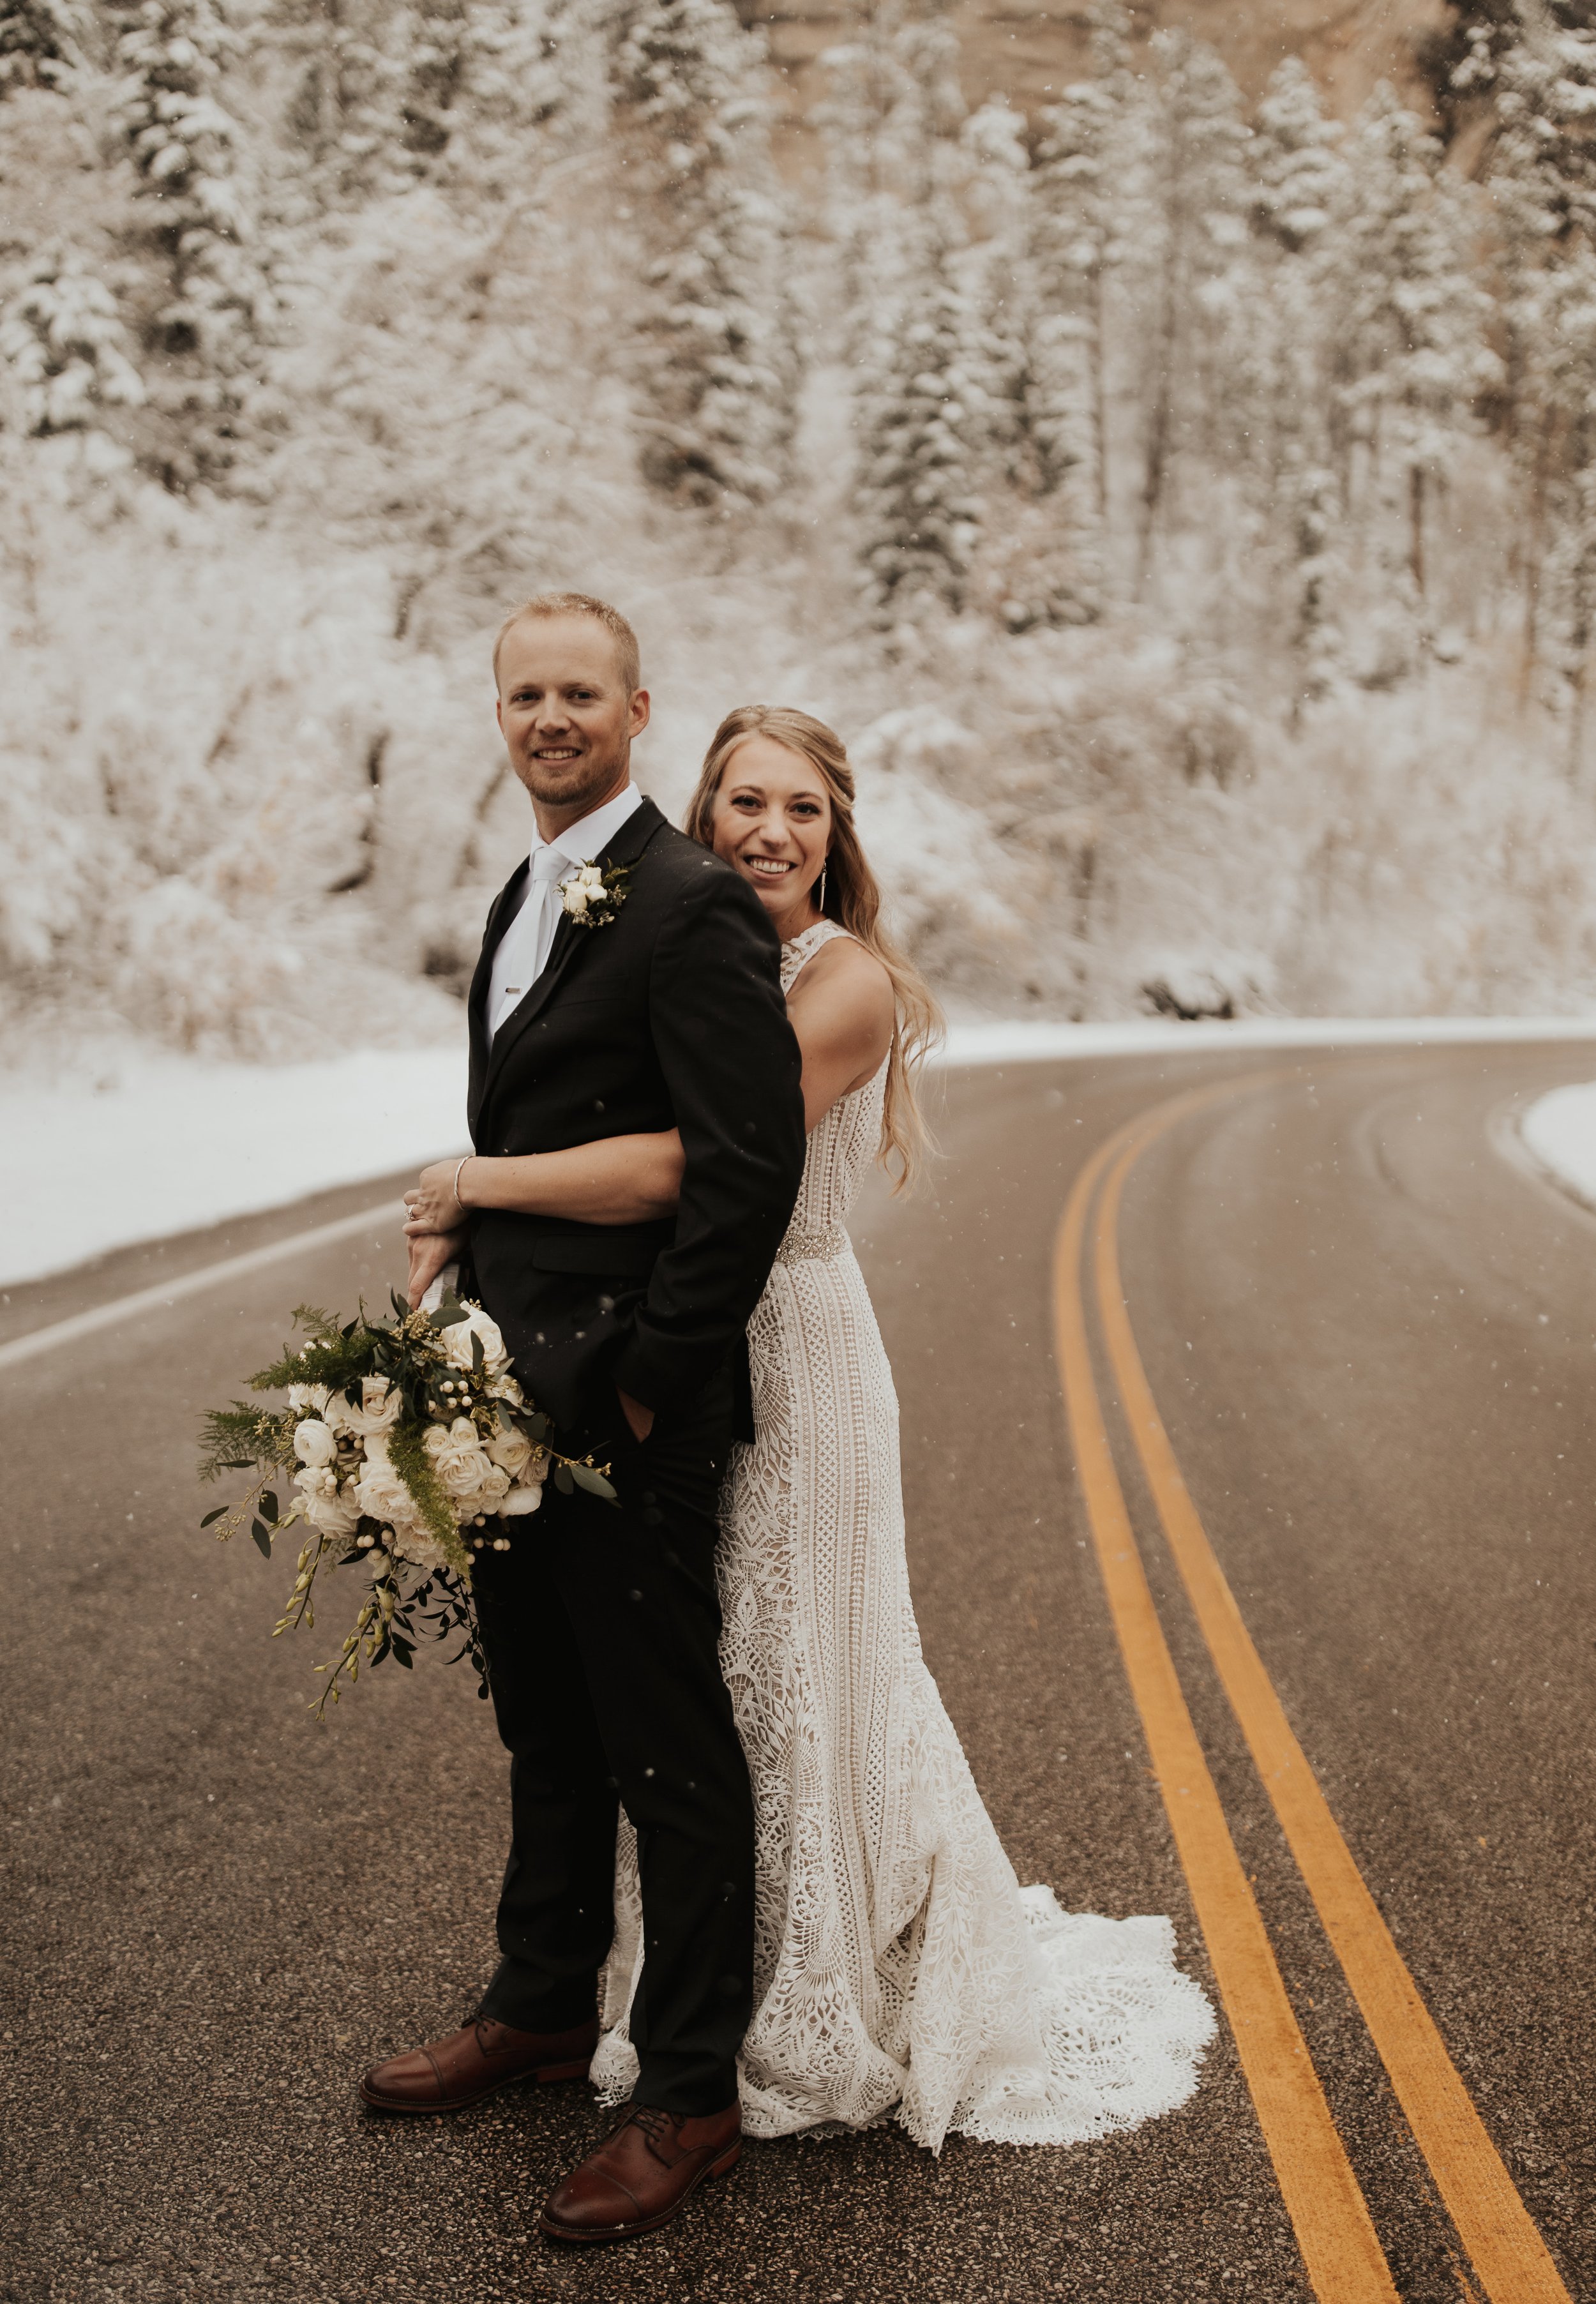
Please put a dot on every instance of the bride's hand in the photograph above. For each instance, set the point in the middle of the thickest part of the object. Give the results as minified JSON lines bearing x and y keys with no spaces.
{"x":432,"y":1203}
{"x":429,"y":1253}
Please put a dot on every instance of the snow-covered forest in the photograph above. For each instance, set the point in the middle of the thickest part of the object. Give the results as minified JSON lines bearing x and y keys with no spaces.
{"x":1186,"y":510}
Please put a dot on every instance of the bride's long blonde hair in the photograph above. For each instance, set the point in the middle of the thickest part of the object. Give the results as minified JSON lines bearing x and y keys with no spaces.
{"x":853,"y":899}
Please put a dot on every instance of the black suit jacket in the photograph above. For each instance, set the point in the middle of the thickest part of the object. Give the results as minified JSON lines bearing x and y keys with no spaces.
{"x":670,"y":1015}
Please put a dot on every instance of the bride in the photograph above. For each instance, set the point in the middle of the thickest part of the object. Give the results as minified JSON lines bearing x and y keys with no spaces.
{"x":900,"y":1968}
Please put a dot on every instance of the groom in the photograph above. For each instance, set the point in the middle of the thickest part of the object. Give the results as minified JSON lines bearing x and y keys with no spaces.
{"x":660,"y":1008}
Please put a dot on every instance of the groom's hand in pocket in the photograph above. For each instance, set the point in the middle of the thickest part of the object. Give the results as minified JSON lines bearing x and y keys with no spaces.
{"x":640,"y":1420}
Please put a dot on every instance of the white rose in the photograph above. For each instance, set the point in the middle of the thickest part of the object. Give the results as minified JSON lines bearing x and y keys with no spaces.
{"x":313,"y":1442}
{"x":419,"y":1545}
{"x":328,"y":1507}
{"x":380,"y":1492}
{"x":377,"y":1413}
{"x":455,"y":1343}
{"x":489,"y":1498}
{"x":308,"y":1399}
{"x":457,"y":1456}
{"x":511,"y":1448}
{"x":521,"y":1500}
{"x":575,"y":894}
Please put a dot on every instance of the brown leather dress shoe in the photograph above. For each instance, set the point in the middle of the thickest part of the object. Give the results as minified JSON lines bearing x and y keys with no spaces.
{"x":640,"y":2176}
{"x":447,"y":2075}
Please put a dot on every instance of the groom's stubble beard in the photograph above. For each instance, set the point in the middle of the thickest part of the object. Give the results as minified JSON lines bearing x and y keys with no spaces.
{"x":578,"y":784}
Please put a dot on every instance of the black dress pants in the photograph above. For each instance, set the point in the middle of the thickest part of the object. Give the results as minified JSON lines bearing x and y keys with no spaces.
{"x":601,"y":1628}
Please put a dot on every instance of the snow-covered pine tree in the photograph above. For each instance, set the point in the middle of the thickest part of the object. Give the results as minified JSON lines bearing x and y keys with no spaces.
{"x":207,"y":302}
{"x":344,"y":119}
{"x":924,"y":360}
{"x":40,"y":40}
{"x":1200,"y":254}
{"x":1090,"y":192}
{"x":1408,"y":324}
{"x":890,"y":119}
{"x":1537,"y":68}
{"x":494,"y":89}
{"x":1299,"y":182}
{"x":1295,"y":160}
{"x":1040,"y":562}
{"x":717,"y":352}
{"x":62,"y":340}
{"x":998,"y":277}
{"x":436,"y":68}
{"x":921,"y":418}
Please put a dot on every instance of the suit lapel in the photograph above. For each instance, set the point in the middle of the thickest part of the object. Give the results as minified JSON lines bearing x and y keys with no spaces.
{"x":476,"y":1006}
{"x":626,"y":848}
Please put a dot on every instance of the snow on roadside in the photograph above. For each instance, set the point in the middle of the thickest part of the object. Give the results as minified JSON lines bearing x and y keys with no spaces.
{"x":168,"y":1144}
{"x":1005,"y":1041}
{"x":1559,"y":1131}
{"x":174,"y":1143}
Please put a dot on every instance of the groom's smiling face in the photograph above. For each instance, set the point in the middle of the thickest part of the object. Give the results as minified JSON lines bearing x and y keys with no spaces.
{"x":567,"y":715}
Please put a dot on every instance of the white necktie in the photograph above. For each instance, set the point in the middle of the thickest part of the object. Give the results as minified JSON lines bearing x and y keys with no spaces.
{"x":524,"y":948}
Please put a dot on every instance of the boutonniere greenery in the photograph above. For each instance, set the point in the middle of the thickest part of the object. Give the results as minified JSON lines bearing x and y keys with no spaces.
{"x":592,"y":897}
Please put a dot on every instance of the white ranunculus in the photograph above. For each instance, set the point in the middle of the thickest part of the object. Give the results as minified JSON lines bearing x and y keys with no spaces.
{"x":308,"y":1399}
{"x":458,"y":1456}
{"x":380,"y":1409}
{"x":455,"y":1341}
{"x":314,"y":1441}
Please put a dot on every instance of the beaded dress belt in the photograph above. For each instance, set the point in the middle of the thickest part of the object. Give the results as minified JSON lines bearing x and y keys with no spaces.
{"x":803,"y":1246}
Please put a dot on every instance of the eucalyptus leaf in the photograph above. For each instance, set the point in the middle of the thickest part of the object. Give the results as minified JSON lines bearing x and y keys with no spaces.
{"x":215,"y":1515}
{"x":593,"y":1482}
{"x":263,"y":1541}
{"x":269,"y":1508}
{"x":563,"y":1480}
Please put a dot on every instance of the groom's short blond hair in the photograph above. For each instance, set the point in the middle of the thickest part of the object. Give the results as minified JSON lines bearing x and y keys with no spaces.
{"x":578,"y":604}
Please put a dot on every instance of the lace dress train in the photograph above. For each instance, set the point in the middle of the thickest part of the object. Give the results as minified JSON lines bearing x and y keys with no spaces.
{"x":900,"y":1968}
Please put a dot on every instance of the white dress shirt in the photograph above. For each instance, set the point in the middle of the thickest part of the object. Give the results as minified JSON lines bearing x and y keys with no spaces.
{"x":523,"y":952}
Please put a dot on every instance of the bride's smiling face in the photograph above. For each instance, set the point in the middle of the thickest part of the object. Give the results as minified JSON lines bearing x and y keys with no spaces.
{"x":772,"y":821}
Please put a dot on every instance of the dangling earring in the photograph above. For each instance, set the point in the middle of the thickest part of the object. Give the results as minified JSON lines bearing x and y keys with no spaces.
{"x":822,"y":890}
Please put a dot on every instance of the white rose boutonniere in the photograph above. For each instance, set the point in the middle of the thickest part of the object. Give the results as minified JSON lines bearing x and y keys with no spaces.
{"x":591,"y":897}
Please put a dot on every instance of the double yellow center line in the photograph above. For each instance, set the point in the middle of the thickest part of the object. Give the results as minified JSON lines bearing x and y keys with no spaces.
{"x":1344,"y":2262}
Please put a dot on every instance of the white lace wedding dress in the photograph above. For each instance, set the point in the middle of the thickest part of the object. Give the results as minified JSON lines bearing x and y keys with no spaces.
{"x":900,"y":1968}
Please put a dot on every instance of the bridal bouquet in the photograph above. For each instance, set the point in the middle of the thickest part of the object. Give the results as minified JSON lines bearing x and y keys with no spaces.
{"x":411,"y":1447}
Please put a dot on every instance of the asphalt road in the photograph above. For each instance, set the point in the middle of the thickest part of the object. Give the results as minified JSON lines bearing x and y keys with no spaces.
{"x":1371,"y":1338}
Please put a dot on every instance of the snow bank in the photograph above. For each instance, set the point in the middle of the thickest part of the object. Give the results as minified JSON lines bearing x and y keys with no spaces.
{"x":1559,"y":1132}
{"x":174,"y":1143}
{"x":166,"y":1144}
{"x":1004,"y":1041}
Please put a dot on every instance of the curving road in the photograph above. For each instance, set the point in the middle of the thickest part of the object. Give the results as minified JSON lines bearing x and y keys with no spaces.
{"x":1370,"y":1338}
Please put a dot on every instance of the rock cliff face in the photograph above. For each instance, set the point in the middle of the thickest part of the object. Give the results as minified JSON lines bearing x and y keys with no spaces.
{"x":1028,"y":49}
